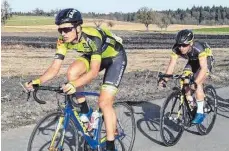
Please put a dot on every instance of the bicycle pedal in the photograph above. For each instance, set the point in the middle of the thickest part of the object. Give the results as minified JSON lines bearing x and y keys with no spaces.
{"x":171,"y":118}
{"x":206,"y":110}
{"x":175,"y":119}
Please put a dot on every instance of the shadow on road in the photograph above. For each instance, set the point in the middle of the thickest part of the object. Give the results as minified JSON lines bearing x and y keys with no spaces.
{"x":149,"y":124}
{"x":223,"y":107}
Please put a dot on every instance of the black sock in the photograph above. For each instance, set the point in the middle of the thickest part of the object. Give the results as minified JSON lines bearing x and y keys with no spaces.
{"x":110,"y":145}
{"x":84,"y":107}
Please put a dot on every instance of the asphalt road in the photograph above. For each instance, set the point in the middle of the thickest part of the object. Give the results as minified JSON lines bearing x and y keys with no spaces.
{"x":147,"y":135}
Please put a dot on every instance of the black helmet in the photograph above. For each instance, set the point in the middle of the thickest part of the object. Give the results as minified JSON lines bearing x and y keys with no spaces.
{"x":184,"y":37}
{"x":69,"y":15}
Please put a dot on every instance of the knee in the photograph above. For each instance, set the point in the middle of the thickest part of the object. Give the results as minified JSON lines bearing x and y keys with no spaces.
{"x":71,"y":74}
{"x":103,"y":104}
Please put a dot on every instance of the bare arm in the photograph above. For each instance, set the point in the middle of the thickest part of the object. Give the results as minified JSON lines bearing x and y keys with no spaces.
{"x":171,"y":66}
{"x":203,"y":70}
{"x":52,"y":71}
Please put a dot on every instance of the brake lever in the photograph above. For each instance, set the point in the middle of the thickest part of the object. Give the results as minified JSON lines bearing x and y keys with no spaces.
{"x":25,"y":91}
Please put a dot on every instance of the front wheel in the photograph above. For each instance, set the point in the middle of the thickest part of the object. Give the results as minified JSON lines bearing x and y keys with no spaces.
{"x":210,"y":109}
{"x":171,"y":118}
{"x":49,"y":134}
{"x":126,"y":127}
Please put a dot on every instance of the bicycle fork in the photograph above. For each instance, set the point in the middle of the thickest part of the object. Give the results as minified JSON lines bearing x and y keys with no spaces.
{"x":62,"y":124}
{"x":179,"y":110}
{"x":180,"y":106}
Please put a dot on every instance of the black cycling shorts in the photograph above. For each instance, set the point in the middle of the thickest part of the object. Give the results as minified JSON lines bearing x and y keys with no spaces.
{"x":114,"y":69}
{"x":194,"y":65}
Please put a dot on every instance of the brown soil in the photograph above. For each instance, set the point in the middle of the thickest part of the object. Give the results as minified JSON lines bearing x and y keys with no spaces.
{"x":21,"y":64}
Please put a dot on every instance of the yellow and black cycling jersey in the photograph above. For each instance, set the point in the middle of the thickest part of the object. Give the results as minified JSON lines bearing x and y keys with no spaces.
{"x":99,"y":44}
{"x":96,"y":42}
{"x":198,"y":49}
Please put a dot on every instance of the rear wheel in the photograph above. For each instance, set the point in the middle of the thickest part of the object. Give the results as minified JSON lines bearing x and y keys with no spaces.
{"x":210,"y":109}
{"x":171,"y":118}
{"x":126,"y":127}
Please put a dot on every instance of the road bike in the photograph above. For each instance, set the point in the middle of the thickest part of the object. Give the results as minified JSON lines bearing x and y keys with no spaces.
{"x":62,"y":130}
{"x":177,"y":112}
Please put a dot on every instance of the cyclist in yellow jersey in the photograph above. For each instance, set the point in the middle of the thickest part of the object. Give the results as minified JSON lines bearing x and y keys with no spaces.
{"x":100,"y":50}
{"x":200,"y":60}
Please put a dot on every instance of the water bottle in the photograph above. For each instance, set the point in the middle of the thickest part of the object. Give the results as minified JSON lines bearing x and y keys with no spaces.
{"x":95,"y":119}
{"x":191,"y":101}
{"x":84,"y":118}
{"x":85,"y":121}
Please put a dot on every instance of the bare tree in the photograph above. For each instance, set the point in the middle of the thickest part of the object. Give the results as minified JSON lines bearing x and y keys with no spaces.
{"x":54,"y":12}
{"x":38,"y":12}
{"x":146,"y":16}
{"x":5,"y":11}
{"x":110,"y":24}
{"x":162,"y":21}
{"x":98,"y":22}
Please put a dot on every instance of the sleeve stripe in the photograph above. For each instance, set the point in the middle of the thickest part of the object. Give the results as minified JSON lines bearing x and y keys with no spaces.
{"x":96,"y":57}
{"x":174,"y":55}
{"x":203,"y":54}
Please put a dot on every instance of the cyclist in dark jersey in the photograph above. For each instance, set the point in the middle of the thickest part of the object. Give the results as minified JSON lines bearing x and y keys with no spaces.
{"x":200,"y":60}
{"x":100,"y":50}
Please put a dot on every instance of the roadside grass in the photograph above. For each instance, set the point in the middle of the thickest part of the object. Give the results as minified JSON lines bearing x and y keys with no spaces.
{"x":221,"y":30}
{"x":30,"y":21}
{"x":46,"y":24}
{"x":21,"y":63}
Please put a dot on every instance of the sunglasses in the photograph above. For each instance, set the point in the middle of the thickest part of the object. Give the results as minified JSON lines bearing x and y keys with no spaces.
{"x":183,"y":45}
{"x":65,"y":29}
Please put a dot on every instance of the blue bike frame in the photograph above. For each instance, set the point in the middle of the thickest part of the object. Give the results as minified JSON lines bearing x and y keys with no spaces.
{"x":69,"y":112}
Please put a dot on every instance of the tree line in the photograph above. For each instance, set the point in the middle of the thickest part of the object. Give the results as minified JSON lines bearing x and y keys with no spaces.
{"x":198,"y":15}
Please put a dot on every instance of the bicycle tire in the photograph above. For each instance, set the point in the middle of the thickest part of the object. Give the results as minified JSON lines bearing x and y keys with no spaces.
{"x":209,"y":90}
{"x":130,"y":114}
{"x":38,"y":127}
{"x":170,"y":142}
